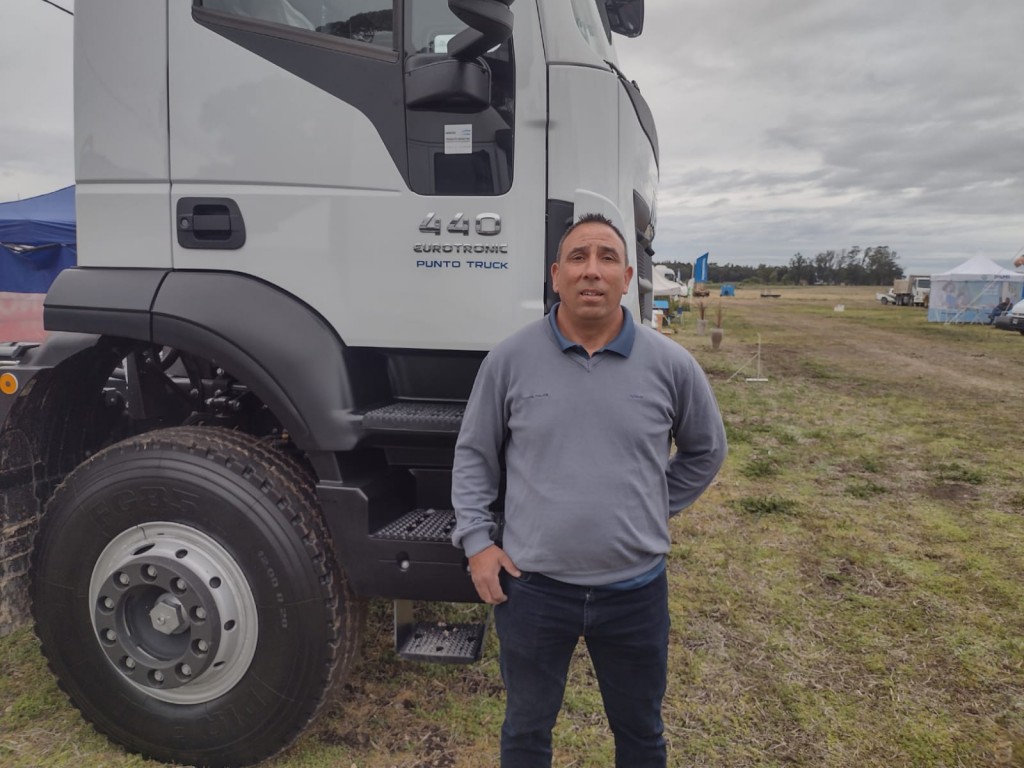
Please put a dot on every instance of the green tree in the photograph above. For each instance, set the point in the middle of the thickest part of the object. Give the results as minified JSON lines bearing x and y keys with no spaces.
{"x":880,"y":265}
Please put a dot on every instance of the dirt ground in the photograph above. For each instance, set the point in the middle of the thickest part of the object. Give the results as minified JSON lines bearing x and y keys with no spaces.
{"x":981,"y":359}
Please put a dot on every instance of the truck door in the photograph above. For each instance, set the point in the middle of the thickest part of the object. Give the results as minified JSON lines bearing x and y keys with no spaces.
{"x":311,"y":149}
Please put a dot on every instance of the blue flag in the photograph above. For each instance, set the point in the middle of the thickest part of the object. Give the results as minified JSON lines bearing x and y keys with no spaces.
{"x":700,"y":269}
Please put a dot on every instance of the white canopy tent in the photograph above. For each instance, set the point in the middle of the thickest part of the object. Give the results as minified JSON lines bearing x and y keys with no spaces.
{"x":664,"y":286}
{"x":969,"y":292}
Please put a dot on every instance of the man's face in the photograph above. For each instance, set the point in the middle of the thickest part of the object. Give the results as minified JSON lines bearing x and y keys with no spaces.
{"x":591,"y":274}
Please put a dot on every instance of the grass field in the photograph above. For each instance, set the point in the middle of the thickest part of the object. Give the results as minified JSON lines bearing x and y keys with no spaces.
{"x":848,"y":593}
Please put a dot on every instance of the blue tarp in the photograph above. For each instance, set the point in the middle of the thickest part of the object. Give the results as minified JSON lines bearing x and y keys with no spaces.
{"x":37,"y":240}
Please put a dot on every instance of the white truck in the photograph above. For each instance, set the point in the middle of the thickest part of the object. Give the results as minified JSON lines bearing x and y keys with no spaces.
{"x":908,"y":291}
{"x":301,"y":225}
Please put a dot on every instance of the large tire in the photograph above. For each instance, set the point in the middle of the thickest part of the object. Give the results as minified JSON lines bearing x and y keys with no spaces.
{"x":187,"y":597}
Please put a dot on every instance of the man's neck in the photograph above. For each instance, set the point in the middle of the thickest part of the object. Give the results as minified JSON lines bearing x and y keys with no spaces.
{"x":591,"y":337}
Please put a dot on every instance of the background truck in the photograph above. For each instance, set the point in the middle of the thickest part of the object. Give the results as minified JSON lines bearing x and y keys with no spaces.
{"x":909,"y":291}
{"x":301,"y":225}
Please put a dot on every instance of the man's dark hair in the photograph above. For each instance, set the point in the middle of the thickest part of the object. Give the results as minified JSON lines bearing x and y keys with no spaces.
{"x":592,"y":218}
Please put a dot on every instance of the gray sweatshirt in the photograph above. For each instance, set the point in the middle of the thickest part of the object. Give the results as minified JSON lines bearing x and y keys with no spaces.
{"x":590,"y":483}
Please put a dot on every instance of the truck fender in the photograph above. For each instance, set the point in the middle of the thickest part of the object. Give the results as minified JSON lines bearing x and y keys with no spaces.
{"x":279,"y":347}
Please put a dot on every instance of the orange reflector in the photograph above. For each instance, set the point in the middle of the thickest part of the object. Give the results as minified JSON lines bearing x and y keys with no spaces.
{"x":8,"y":383}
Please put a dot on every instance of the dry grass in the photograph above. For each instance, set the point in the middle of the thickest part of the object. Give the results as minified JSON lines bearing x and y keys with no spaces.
{"x":848,"y":593}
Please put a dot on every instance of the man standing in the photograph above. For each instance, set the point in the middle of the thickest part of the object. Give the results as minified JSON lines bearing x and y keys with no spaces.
{"x":582,"y":406}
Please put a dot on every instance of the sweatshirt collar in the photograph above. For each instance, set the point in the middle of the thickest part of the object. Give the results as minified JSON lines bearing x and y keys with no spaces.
{"x":621,"y":345}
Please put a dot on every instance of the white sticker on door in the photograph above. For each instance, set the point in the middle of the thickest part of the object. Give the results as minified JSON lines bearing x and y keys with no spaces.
{"x":458,"y":139}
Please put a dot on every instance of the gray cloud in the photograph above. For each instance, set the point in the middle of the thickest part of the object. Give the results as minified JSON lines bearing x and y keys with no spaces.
{"x":36,"y":145}
{"x":802,"y":126}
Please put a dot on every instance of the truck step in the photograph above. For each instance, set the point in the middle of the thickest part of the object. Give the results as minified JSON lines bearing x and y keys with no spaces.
{"x":444,"y":643}
{"x":420,"y":525}
{"x":437,"y":641}
{"x":419,"y":417}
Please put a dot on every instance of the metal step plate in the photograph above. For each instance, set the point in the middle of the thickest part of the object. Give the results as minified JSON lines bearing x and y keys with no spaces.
{"x":443,"y":418}
{"x":443,"y":643}
{"x":420,"y":525}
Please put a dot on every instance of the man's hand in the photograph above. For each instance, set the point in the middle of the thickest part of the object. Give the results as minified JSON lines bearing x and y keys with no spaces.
{"x":484,"y":567}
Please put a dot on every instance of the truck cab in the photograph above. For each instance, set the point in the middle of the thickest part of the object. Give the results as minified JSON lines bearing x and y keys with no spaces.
{"x":301,"y":226}
{"x":911,"y":291}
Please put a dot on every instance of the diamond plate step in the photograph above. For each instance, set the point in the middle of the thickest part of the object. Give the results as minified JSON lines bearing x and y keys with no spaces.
{"x":443,"y":418}
{"x":443,"y":643}
{"x":420,"y":525}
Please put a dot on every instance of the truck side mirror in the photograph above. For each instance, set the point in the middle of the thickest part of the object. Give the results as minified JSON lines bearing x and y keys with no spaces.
{"x":489,"y":22}
{"x":626,"y":17}
{"x":436,"y":82}
{"x":456,"y":80}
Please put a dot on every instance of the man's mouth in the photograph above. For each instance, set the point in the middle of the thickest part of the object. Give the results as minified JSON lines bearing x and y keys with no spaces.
{"x":595,"y":294}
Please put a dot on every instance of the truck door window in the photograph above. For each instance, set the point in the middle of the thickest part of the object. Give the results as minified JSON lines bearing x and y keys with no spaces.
{"x":362,"y":21}
{"x":433,"y":169}
{"x":592,"y":22}
{"x":431,"y":26}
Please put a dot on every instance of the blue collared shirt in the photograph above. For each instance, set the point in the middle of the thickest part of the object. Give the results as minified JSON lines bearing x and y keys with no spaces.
{"x":621,"y":345}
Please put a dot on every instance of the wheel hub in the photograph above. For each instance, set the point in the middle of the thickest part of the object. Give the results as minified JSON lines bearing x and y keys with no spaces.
{"x":173,"y":612}
{"x":168,"y":616}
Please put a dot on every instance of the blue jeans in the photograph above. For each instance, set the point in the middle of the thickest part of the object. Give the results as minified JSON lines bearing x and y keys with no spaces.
{"x":627,"y":637}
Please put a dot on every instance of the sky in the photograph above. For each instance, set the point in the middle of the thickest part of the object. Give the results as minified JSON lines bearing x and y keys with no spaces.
{"x":810,"y":125}
{"x":36,"y":131}
{"x":785,"y":126}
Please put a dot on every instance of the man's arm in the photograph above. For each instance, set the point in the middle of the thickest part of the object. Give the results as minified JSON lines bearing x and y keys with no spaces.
{"x":700,"y":441}
{"x":475,"y":479}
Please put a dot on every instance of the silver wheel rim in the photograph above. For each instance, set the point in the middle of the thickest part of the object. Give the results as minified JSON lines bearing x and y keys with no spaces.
{"x":173,"y":612}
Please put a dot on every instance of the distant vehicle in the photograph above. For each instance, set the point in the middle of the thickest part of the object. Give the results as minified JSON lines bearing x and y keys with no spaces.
{"x":1012,"y":320}
{"x":696,"y":289}
{"x":911,"y":291}
{"x":887,"y":298}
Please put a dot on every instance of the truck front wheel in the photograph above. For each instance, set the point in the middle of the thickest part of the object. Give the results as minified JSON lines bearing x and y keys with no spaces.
{"x":187,"y":597}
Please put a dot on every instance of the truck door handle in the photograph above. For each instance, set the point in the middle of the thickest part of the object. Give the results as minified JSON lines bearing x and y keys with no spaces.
{"x":209,"y":223}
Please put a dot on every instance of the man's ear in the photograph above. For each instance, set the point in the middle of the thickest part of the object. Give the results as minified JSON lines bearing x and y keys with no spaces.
{"x":554,"y":277}
{"x":629,"y":279}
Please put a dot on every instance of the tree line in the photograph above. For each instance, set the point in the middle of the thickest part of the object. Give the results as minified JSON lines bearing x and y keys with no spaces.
{"x":875,"y":265}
